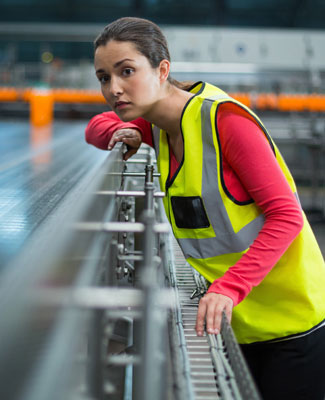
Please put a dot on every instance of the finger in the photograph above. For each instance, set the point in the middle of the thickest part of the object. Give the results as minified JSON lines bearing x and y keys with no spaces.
{"x":200,"y":318}
{"x":214,"y":326}
{"x":210,"y":317}
{"x":228,"y":312}
{"x":128,"y":134}
{"x":130,"y":137}
{"x":132,"y":141}
{"x":129,"y":154}
{"x":217,"y":319}
{"x":117,"y":137}
{"x":113,"y":141}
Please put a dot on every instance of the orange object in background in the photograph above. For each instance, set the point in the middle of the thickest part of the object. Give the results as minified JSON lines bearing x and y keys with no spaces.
{"x":244,"y":98}
{"x":292,"y":102}
{"x":78,"y":96}
{"x":40,"y":139}
{"x":316,"y":103}
{"x":8,"y":94}
{"x":266,"y":101}
{"x":41,"y":107}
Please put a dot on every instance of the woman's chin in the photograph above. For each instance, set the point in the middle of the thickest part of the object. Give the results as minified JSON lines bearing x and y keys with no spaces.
{"x":127,"y":117}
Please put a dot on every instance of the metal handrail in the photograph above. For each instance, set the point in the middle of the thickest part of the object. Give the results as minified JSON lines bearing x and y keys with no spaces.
{"x":38,"y":339}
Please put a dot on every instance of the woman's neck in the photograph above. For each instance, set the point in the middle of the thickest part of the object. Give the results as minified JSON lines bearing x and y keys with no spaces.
{"x":167,"y":112}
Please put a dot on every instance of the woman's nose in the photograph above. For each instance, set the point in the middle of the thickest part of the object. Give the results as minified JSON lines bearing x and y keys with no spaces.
{"x":115,"y":87}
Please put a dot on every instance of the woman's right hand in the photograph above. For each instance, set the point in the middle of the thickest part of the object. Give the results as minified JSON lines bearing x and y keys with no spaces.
{"x":131,"y":137}
{"x":210,"y":311}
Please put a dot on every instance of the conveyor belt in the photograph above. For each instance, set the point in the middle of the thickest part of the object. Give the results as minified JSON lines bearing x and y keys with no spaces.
{"x":201,"y":366}
{"x":214,"y":361}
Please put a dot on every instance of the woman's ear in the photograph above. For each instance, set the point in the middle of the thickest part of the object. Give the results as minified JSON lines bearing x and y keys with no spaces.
{"x":164,"y":68}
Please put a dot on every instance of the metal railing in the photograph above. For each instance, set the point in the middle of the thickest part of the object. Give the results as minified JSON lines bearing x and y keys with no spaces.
{"x":99,"y":312}
{"x":55,"y":300}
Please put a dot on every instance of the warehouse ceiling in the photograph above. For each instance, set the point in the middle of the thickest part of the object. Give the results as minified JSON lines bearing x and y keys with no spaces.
{"x":300,"y":14}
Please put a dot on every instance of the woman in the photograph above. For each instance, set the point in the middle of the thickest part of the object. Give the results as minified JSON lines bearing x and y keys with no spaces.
{"x":232,"y":204}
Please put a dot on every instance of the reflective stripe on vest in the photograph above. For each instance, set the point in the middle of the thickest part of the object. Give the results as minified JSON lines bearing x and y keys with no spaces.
{"x":155,"y":137}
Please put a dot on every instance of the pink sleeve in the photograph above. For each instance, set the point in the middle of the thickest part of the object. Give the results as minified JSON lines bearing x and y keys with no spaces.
{"x":102,"y":126}
{"x":248,"y":153}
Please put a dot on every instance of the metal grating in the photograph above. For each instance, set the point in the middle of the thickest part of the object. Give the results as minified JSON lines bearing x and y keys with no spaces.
{"x":202,"y":371}
{"x":216,"y":367}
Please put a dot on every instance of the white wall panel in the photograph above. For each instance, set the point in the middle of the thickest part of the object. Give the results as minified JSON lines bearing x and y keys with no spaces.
{"x":282,"y":49}
{"x":270,"y":48}
{"x":316,"y":43}
{"x":191,"y":44}
{"x":238,"y":46}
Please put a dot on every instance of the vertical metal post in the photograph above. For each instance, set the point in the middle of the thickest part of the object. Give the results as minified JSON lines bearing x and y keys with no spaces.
{"x":110,"y":275}
{"x":129,"y":368}
{"x":149,"y":377}
{"x":149,"y":188}
{"x":95,"y":364}
{"x":150,"y":385}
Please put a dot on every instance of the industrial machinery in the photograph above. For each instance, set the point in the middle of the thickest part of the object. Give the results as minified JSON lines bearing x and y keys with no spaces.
{"x":102,"y":305}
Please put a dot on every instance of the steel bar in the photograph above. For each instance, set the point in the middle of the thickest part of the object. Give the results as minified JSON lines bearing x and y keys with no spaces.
{"x":128,"y":193}
{"x":99,"y":297}
{"x":95,"y":367}
{"x":150,"y":386}
{"x":140,"y":174}
{"x":128,"y":383}
{"x":149,"y":187}
{"x":123,"y":359}
{"x":131,"y":257}
{"x":138,"y":161}
{"x":132,"y":227}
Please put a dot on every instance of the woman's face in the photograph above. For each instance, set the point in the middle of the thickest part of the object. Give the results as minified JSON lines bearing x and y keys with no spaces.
{"x":128,"y":82}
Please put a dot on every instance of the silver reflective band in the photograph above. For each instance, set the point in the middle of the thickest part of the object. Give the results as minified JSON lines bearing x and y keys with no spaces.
{"x":156,"y":138}
{"x":216,"y":246}
{"x":220,"y":96}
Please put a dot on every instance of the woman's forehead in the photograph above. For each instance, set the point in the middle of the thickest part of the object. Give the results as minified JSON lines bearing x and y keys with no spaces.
{"x":113,"y":53}
{"x":117,"y":48}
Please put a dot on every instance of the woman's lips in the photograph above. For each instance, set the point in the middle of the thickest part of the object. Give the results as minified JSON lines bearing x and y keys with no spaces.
{"x":119,"y":105}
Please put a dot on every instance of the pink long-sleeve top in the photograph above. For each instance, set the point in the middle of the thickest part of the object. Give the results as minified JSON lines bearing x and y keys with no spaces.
{"x":250,"y":172}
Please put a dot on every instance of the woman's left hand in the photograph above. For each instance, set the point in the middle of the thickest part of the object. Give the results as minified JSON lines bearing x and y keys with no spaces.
{"x":210,"y":311}
{"x":130,"y":136}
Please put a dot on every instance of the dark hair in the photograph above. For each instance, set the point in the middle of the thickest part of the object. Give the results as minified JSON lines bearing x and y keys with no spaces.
{"x":147,"y":38}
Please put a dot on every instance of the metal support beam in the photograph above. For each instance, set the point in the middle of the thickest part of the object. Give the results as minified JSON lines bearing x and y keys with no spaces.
{"x":133,"y":227}
{"x":128,"y":193}
{"x":99,"y":297}
{"x":140,"y":174}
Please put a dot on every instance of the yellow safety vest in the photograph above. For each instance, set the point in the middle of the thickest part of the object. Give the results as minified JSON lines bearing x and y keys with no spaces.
{"x":214,"y":230}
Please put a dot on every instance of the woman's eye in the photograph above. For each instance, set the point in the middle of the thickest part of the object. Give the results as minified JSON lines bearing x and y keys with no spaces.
{"x":127,"y":71}
{"x":103,"y":79}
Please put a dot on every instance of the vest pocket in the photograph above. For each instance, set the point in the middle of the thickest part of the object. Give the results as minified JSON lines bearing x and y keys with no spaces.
{"x":189,"y":212}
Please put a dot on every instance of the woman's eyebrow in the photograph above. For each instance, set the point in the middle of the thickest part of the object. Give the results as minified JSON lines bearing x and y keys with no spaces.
{"x":118,"y":63}
{"x":121,"y":62}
